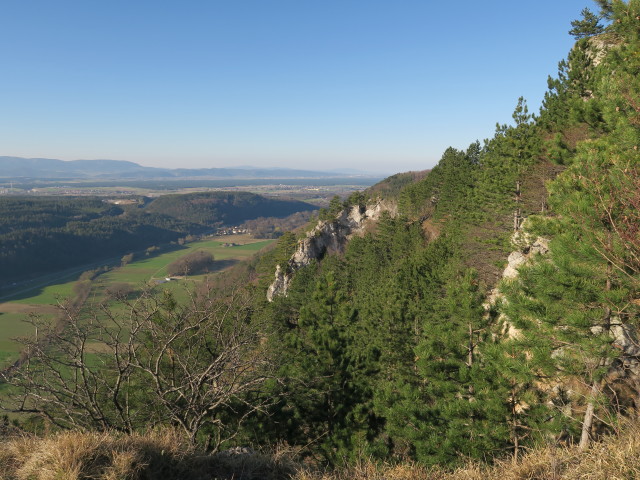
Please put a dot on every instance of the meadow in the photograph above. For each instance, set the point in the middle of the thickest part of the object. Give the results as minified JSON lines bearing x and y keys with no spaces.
{"x":144,"y":271}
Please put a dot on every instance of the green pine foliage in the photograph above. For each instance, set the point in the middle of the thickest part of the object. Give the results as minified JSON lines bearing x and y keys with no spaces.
{"x":388,"y":350}
{"x":449,"y":410}
{"x":588,"y":26}
{"x":570,"y":305}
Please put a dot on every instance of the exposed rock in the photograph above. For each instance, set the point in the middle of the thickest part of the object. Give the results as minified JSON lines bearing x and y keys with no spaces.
{"x":600,"y":46}
{"x":515,"y":260}
{"x":280,"y":284}
{"x":527,"y":247}
{"x":527,"y":250}
{"x":327,"y":236}
{"x":625,"y":337}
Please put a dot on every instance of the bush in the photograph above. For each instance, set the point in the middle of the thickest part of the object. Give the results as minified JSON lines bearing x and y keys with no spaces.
{"x":193,"y":366}
{"x":191,"y":264}
{"x":119,"y":290}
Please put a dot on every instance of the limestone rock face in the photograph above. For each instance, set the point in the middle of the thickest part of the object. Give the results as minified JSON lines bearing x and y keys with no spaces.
{"x":280,"y":284}
{"x":514,"y":260}
{"x":625,"y":337}
{"x":527,"y":247}
{"x":326,"y":237}
{"x":599,"y":47}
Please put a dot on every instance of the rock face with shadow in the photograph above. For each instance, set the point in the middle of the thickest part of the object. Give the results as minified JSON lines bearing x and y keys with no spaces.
{"x":326,"y":237}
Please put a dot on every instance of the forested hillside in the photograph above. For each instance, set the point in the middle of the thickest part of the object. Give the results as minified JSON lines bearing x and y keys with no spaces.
{"x":391,"y":349}
{"x":44,"y":234}
{"x":228,"y":208}
{"x":410,"y":342}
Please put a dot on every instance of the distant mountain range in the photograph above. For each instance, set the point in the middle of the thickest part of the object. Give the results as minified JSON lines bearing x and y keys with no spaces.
{"x":50,"y":169}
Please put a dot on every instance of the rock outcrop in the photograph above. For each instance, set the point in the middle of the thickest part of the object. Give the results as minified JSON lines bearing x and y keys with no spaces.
{"x":527,"y":247}
{"x":326,"y":237}
{"x":624,"y":336}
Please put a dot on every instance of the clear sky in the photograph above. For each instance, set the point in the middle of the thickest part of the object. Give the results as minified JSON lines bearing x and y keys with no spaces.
{"x":381,"y":85}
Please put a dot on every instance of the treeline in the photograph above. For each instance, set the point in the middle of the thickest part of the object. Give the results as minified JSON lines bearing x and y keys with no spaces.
{"x":228,"y":208}
{"x":273,"y":227}
{"x":391,"y":186}
{"x":48,"y":234}
{"x":191,"y":264}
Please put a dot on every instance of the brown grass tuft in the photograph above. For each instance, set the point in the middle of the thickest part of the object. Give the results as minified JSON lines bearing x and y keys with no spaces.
{"x":615,"y":458}
{"x":164,"y":455}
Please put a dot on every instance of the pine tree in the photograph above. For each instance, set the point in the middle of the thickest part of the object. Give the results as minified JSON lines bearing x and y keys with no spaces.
{"x":588,"y":26}
{"x":447,"y":409}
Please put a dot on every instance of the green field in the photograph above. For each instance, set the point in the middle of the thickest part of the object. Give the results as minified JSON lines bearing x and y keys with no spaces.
{"x":137,"y":274}
{"x":50,"y":294}
{"x":12,"y":326}
{"x":144,"y":270}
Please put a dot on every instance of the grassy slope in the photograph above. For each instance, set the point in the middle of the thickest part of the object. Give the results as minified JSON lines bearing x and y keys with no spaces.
{"x":164,"y":455}
{"x":155,"y":267}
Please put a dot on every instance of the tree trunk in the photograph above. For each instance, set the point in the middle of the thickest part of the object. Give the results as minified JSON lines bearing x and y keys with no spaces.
{"x":516,"y":439}
{"x":587,"y":422}
{"x":470,"y":358}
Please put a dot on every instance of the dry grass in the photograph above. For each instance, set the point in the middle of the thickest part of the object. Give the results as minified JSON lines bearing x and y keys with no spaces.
{"x":163,"y":455}
{"x":615,"y":458}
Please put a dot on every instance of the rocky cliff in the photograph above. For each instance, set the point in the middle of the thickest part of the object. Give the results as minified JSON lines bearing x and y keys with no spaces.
{"x":326,"y":237}
{"x":625,"y":337}
{"x":527,"y":248}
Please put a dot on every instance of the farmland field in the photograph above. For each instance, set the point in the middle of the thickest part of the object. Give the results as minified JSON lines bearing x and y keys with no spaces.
{"x":147,"y":269}
{"x":137,"y":274}
{"x":50,"y":294}
{"x":12,"y":326}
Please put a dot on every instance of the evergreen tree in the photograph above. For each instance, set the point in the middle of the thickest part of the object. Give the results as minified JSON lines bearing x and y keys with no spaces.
{"x":452,"y":411}
{"x":588,"y":26}
{"x":323,"y":388}
{"x":507,"y":155}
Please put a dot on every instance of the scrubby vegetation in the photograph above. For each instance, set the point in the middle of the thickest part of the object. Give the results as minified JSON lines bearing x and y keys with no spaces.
{"x":273,"y":227}
{"x":191,"y":264}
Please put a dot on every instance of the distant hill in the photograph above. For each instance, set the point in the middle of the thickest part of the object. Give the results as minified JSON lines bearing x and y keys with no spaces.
{"x":391,"y":186}
{"x":49,"y":169}
{"x":46,"y":234}
{"x":210,"y":208}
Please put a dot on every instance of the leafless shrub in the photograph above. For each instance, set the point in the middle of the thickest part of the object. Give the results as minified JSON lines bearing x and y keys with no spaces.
{"x":191,"y":264}
{"x":150,"y":361}
{"x":119,"y":290}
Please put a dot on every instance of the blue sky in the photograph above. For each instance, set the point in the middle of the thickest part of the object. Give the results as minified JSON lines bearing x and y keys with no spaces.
{"x":368,"y":84}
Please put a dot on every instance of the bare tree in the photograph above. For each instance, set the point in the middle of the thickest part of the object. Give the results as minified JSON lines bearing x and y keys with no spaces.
{"x":192,"y":263}
{"x":145,"y":362}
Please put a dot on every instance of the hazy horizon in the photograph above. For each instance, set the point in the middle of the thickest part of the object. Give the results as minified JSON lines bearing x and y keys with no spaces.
{"x":366,"y":85}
